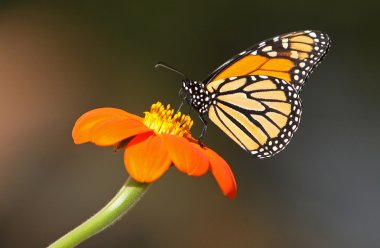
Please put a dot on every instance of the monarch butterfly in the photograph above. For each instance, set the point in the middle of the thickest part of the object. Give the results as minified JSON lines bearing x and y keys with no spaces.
{"x":254,"y":96}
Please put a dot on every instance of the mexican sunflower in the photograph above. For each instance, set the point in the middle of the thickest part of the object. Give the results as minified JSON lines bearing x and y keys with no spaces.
{"x":153,"y":144}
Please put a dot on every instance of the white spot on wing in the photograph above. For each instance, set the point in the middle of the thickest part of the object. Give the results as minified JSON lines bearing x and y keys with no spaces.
{"x":267,"y":49}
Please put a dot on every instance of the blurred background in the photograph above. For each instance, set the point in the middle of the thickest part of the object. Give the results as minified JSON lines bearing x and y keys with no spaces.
{"x":59,"y":59}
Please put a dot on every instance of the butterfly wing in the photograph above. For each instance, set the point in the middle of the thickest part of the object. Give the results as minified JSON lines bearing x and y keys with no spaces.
{"x":260,"y":113}
{"x":291,"y":57}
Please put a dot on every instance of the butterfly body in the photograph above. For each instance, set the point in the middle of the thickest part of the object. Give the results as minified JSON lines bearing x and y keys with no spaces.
{"x":254,"y":97}
{"x":197,"y":95}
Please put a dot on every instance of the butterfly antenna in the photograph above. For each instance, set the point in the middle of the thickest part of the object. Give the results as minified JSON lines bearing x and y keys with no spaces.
{"x":166,"y":66}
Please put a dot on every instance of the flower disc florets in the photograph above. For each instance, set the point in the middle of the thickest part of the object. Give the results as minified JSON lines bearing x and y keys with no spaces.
{"x":164,"y":121}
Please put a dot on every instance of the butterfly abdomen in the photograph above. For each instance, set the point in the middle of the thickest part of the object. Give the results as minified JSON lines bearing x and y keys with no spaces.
{"x":198,"y":96}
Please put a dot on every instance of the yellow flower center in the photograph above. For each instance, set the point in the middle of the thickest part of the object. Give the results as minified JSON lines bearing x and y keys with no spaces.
{"x":164,"y":120}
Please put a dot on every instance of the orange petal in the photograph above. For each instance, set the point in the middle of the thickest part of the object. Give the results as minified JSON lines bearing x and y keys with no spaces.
{"x":84,"y":124}
{"x":222,"y":173}
{"x":146,"y":158}
{"x":185,"y":155}
{"x":111,"y":132}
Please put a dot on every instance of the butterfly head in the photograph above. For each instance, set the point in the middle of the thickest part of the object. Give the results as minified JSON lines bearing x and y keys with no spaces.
{"x":196,"y":95}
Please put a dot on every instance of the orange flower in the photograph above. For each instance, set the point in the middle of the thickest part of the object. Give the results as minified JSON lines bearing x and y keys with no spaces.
{"x":153,"y":144}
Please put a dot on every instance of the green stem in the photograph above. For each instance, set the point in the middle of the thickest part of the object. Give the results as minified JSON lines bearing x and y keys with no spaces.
{"x":123,"y":201}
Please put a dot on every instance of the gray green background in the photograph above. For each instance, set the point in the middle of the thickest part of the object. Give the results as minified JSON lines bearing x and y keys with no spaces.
{"x":60,"y":59}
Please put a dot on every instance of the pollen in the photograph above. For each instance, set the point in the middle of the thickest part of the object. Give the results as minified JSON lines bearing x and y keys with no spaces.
{"x":163,"y":120}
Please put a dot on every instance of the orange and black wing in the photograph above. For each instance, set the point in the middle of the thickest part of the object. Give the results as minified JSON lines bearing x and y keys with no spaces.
{"x":291,"y":57}
{"x":260,"y":113}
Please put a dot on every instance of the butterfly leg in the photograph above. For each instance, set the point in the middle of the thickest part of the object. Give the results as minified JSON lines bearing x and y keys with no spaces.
{"x":190,"y":106}
{"x":180,"y":106}
{"x":203,"y":130}
{"x":183,"y":97}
